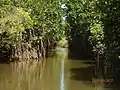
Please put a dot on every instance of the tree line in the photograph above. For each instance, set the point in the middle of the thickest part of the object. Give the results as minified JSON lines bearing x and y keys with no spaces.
{"x":94,"y":25}
{"x":28,"y":28}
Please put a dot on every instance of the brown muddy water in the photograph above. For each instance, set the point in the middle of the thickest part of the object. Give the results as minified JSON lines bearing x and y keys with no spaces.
{"x":54,"y":73}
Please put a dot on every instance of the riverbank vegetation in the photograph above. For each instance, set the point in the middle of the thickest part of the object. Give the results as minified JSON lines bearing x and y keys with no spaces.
{"x":62,"y":43}
{"x":94,"y":29}
{"x":29,"y":28}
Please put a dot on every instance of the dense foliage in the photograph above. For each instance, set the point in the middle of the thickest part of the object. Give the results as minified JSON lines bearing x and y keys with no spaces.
{"x":29,"y":27}
{"x":95,"y":23}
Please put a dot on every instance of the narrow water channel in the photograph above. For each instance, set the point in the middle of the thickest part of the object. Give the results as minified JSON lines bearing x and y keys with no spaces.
{"x":59,"y":73}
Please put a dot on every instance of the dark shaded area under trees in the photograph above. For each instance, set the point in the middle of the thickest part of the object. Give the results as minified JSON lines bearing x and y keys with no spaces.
{"x":93,"y":33}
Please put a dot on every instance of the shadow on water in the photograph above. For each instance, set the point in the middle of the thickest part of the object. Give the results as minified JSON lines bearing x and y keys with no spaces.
{"x":85,"y":73}
{"x":82,"y":74}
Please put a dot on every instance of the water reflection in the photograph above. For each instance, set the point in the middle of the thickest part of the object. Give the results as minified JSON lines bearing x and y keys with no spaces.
{"x":62,"y":73}
{"x":20,"y":76}
{"x":55,"y":73}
